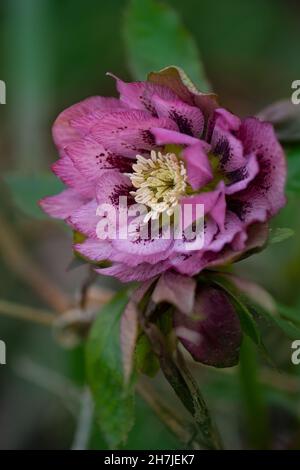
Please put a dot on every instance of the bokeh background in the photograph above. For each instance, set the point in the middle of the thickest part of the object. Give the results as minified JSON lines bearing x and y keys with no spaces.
{"x":54,"y":53}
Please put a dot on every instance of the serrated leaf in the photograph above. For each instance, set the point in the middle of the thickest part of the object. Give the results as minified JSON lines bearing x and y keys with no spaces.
{"x":156,"y":38}
{"x":114,"y":404}
{"x":27,"y":190}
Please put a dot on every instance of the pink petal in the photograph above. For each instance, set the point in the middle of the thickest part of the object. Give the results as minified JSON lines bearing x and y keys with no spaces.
{"x":227,"y":121}
{"x":189,"y":119}
{"x":129,"y":133}
{"x":69,"y":175}
{"x":151,"y":250}
{"x":143,"y":272}
{"x":266,"y":191}
{"x":232,"y":227}
{"x":257,"y":236}
{"x":213,"y":201}
{"x":94,"y":250}
{"x":166,"y":136}
{"x":91,"y":158}
{"x":229,"y":149}
{"x":175,"y":79}
{"x":210,"y":230}
{"x":62,"y":205}
{"x":111,"y":186}
{"x":139,"y":95}
{"x":239,"y":179}
{"x":85,"y":219}
{"x":198,"y":166}
{"x":188,"y":264}
{"x":64,"y":133}
{"x":223,"y":141}
{"x":177,"y":290}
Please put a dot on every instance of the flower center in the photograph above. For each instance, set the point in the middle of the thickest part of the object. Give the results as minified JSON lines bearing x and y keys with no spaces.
{"x":160,"y":180}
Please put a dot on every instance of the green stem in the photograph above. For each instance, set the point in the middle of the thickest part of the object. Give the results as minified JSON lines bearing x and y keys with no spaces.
{"x":253,"y":396}
{"x":183,"y":385}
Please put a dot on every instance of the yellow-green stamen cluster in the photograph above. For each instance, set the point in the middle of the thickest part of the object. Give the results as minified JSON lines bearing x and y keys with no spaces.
{"x":159,"y":181}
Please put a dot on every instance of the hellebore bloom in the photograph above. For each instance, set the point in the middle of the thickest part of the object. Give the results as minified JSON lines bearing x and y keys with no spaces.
{"x":164,"y":144}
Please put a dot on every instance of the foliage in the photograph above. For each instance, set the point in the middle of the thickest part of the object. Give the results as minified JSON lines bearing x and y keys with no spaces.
{"x":114,"y":405}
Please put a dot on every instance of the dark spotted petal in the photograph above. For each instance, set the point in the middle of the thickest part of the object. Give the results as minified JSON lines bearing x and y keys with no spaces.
{"x":189,"y":119}
{"x":129,"y":133}
{"x":175,"y":79}
{"x":111,"y":186}
{"x":224,"y":143}
{"x":239,"y":179}
{"x":90,"y":159}
{"x":214,"y":336}
{"x":266,"y":192}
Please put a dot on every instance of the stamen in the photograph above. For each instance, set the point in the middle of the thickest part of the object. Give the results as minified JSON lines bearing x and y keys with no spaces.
{"x":160,"y":181}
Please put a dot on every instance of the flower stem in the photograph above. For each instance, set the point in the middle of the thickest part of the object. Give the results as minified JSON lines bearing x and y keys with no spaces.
{"x":22,"y":312}
{"x":183,"y":384}
{"x":253,"y":396}
{"x":173,"y":422}
{"x":85,"y":421}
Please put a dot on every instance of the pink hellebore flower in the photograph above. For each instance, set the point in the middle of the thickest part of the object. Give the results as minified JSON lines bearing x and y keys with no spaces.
{"x":165,"y":144}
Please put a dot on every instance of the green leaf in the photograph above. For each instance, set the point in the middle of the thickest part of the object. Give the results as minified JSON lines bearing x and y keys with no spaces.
{"x":145,"y":360}
{"x":248,"y":323}
{"x":155,"y":38}
{"x":281,"y":234}
{"x":285,"y":318}
{"x":289,"y":313}
{"x":114,"y":404}
{"x":27,"y":190}
{"x":289,"y":329}
{"x":253,"y":396}
{"x":252,"y":308}
{"x":286,"y":326}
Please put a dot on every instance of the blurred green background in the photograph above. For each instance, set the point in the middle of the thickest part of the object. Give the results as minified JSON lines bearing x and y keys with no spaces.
{"x":54,"y":53}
